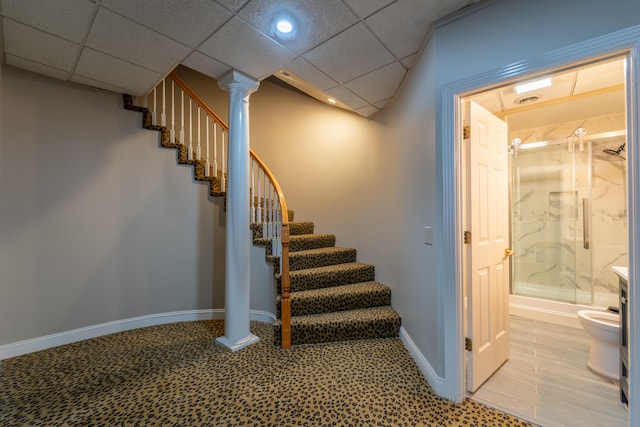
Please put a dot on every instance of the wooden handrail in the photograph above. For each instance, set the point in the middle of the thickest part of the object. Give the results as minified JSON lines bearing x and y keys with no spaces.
{"x":285,"y":297}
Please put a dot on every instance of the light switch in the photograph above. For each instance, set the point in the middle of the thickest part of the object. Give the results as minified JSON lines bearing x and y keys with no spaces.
{"x":428,"y":235}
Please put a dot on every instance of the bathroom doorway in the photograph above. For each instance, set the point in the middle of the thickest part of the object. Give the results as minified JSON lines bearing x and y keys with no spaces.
{"x":567,"y":197}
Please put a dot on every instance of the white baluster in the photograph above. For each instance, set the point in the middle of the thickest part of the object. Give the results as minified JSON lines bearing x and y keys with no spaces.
{"x":259,"y":203}
{"x":252,"y":194}
{"x":163,"y":117}
{"x":270,"y":212}
{"x":153,"y":112}
{"x":215,"y":148}
{"x":172,"y":132}
{"x":206,"y":164}
{"x":181,"y":117}
{"x":198,"y":150}
{"x":265,"y":201}
{"x":190,"y":149}
{"x":223,"y":179}
{"x":275,"y":244}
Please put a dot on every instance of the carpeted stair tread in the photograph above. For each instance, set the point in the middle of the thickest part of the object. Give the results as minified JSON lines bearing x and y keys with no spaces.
{"x":339,"y":298}
{"x":330,"y":275}
{"x":320,"y":257}
{"x":303,"y":242}
{"x":376,"y":322}
{"x":303,"y":227}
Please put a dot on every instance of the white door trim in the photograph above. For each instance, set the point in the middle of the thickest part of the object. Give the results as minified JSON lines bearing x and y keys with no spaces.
{"x":449,"y":140}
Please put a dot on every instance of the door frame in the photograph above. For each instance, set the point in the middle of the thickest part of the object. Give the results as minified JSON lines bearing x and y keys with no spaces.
{"x":625,"y":42}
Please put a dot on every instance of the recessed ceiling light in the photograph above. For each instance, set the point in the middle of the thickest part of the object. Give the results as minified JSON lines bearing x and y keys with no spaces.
{"x":284,"y":26}
{"x":527,"y":87}
{"x":331,"y":101}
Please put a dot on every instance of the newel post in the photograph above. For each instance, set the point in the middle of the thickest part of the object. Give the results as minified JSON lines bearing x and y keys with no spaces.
{"x":237,"y":332}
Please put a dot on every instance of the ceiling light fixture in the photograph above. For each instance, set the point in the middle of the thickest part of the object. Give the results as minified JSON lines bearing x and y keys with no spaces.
{"x":284,"y":27}
{"x":331,"y":101}
{"x":528,"y":87}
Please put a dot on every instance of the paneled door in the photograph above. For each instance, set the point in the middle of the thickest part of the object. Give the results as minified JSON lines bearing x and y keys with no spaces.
{"x":487,"y":245}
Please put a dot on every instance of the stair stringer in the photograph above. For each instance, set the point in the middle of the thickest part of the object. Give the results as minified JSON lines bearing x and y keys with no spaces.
{"x":199,"y":166}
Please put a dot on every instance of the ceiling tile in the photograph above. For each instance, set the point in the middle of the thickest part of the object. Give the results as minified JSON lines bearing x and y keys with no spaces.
{"x":489,"y":100}
{"x":101,"y":85}
{"x":367,"y":111}
{"x":253,"y":53}
{"x":37,"y":46}
{"x":187,"y":21}
{"x":408,"y":61}
{"x":403,"y":25}
{"x":363,"y":50}
{"x":600,"y":76}
{"x":364,"y":8}
{"x":311,"y":74}
{"x":113,"y":71}
{"x":347,"y":97}
{"x":36,"y":67}
{"x":315,"y":21}
{"x":206,"y":65}
{"x":380,"y":104}
{"x":69,"y":19}
{"x":379,"y":84}
{"x":120,"y":37}
{"x":232,"y":5}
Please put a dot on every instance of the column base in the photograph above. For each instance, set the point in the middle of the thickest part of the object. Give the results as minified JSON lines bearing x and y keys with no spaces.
{"x":235,"y":345}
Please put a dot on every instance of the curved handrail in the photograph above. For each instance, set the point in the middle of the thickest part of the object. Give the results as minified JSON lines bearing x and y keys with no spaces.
{"x":285,"y":301}
{"x":285,"y":297}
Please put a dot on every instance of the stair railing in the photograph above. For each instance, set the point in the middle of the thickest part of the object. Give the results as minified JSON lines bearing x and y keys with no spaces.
{"x":193,"y":124}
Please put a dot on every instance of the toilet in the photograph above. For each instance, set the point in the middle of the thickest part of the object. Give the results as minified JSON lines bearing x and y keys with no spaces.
{"x":604,"y":329}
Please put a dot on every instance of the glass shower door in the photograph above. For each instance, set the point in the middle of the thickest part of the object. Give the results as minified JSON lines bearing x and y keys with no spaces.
{"x":550,"y":190}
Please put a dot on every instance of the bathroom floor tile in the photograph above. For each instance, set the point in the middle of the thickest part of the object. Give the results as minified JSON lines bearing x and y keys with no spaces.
{"x":547,"y":381}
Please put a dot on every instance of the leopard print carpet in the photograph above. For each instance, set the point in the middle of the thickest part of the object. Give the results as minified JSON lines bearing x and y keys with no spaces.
{"x":177,"y":375}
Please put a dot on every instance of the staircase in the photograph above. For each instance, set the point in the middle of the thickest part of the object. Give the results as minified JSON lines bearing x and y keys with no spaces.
{"x":332,"y":296}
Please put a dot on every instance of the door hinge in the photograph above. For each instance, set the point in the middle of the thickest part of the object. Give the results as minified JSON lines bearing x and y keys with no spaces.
{"x":468,"y":345}
{"x":467,"y":237}
{"x":466,"y":132}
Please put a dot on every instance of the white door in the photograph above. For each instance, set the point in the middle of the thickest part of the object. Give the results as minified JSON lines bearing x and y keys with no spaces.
{"x":487,"y":269}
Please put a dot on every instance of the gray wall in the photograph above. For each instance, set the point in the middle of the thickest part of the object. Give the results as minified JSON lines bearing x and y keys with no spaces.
{"x":97,"y":222}
{"x":501,"y":34}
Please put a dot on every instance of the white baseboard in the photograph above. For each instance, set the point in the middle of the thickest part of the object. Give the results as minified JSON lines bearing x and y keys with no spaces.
{"x":437,"y":383}
{"x":49,"y":341}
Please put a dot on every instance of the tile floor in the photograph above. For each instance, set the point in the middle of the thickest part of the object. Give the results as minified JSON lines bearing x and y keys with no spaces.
{"x":546,"y":379}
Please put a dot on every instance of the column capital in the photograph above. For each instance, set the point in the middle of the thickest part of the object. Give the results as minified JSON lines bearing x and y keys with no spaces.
{"x":236,"y":79}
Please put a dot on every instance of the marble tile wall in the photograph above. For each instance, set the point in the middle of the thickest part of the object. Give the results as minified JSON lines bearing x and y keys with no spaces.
{"x":549,"y":188}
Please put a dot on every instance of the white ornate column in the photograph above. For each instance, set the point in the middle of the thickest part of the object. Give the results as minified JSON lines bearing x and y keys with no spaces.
{"x":237,"y":333}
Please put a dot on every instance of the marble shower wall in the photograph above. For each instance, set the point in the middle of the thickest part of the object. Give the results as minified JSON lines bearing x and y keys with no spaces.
{"x":549,"y":186}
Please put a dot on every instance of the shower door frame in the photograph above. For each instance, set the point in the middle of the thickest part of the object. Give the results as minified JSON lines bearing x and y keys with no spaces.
{"x":625,"y":42}
{"x":580,"y":215}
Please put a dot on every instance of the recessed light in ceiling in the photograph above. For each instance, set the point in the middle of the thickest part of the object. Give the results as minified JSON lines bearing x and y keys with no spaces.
{"x":538,"y":84}
{"x":284,"y":27}
{"x":331,"y":101}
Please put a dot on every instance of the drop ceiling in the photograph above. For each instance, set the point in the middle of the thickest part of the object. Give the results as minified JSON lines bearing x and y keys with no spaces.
{"x":589,"y":90}
{"x":356,"y":51}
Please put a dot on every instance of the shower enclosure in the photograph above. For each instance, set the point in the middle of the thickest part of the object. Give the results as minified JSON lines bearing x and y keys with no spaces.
{"x":569,"y":217}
